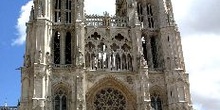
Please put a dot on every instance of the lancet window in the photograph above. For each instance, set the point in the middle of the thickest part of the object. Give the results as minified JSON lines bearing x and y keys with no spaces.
{"x":68,"y":48}
{"x":68,"y":11}
{"x":140,"y":12}
{"x":156,"y":102}
{"x":150,"y":49}
{"x":154,"y":51}
{"x":114,"y":55}
{"x":60,"y":100}
{"x":150,"y":16}
{"x":57,"y":13}
{"x":62,"y":44}
{"x":56,"y":48}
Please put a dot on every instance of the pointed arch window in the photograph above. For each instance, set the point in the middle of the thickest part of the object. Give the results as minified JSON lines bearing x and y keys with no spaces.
{"x":62,"y":44}
{"x":156,"y":103}
{"x":57,"y":48}
{"x":68,"y":11}
{"x":140,"y":12}
{"x":60,"y":101}
{"x":118,"y":62}
{"x":130,"y":67}
{"x":68,"y":48}
{"x":57,"y":13}
{"x":114,"y":55}
{"x":154,"y":51}
{"x":124,"y":62}
{"x":150,"y":16}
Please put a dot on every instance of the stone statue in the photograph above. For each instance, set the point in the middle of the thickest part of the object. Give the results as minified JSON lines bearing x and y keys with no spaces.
{"x":143,"y":61}
{"x":48,"y":58}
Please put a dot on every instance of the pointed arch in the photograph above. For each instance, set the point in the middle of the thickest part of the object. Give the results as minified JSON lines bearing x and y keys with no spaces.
{"x":60,"y":96}
{"x":158,"y":97}
{"x":112,"y":84}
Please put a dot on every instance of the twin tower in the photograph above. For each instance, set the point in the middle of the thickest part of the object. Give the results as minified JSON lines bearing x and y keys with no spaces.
{"x":130,"y":61}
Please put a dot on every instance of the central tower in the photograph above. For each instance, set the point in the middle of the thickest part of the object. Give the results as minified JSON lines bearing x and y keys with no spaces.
{"x":130,"y":61}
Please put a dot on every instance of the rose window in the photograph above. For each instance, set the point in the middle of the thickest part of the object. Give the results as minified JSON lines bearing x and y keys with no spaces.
{"x":109,"y":99}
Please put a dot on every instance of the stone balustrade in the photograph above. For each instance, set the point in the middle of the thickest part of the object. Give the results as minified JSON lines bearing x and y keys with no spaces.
{"x":106,"y":21}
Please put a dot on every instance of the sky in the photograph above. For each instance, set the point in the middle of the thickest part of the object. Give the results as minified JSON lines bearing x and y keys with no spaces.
{"x":198,"y":22}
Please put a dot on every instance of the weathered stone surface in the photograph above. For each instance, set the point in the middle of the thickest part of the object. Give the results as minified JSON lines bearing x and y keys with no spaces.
{"x":130,"y":61}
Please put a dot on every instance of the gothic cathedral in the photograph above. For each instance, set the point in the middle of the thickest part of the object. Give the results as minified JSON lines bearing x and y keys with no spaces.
{"x":130,"y":61}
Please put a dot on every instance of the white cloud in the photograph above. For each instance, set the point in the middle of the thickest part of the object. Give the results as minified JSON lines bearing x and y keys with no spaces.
{"x":100,"y":6}
{"x":203,"y":63}
{"x":199,"y":27}
{"x":21,"y":23}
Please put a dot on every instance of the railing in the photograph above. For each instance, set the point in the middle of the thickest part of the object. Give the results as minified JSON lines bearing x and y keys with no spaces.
{"x":62,"y":65}
{"x":106,"y":20}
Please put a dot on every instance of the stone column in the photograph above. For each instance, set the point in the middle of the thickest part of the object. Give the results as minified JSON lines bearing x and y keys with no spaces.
{"x":149,"y":53}
{"x":144,"y":85}
{"x":80,"y":90}
{"x":39,"y":87}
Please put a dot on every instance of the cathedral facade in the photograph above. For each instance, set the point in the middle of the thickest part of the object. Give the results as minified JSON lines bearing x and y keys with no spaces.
{"x":130,"y":61}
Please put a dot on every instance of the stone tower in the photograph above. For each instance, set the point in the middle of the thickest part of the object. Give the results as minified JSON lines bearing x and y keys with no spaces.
{"x":130,"y":61}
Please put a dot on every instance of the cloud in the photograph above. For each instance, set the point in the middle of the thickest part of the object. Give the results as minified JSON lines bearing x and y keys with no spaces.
{"x":199,"y":24}
{"x":199,"y":16}
{"x":98,"y":7}
{"x":21,"y":21}
{"x":203,"y":64}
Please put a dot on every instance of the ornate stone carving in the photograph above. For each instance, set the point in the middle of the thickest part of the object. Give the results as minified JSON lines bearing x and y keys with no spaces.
{"x":48,"y":58}
{"x":91,"y":78}
{"x":129,"y":80}
{"x":39,"y":57}
{"x":27,"y":61}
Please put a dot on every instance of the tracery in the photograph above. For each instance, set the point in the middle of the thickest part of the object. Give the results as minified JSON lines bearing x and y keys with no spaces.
{"x":104,"y":54}
{"x":109,"y":99}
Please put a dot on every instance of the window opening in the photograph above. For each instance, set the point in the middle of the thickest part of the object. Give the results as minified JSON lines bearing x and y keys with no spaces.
{"x":60,"y":101}
{"x":156,"y":103}
{"x":57,"y":15}
{"x":68,"y":11}
{"x":154,"y":51}
{"x":140,"y":12}
{"x":68,"y":48}
{"x":118,"y":62}
{"x":130,"y":67}
{"x":150,"y":16}
{"x":124,"y":62}
{"x":57,"y":48}
{"x":96,"y":36}
{"x":109,"y":99}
